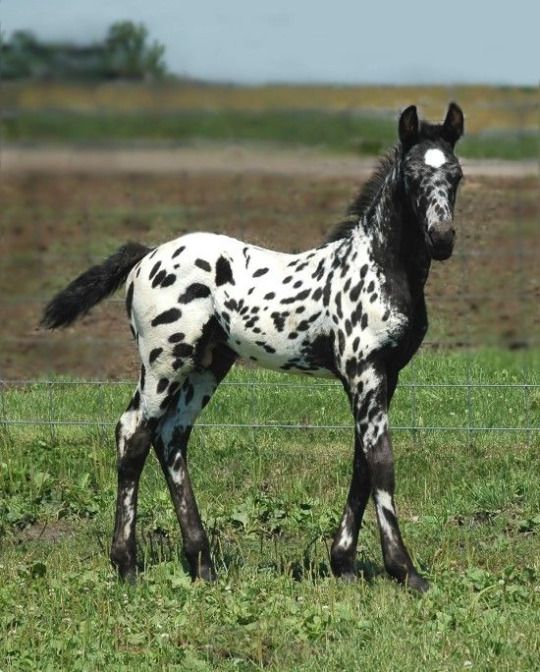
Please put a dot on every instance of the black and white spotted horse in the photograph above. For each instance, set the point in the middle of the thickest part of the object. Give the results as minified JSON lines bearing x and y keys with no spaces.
{"x":352,"y":308}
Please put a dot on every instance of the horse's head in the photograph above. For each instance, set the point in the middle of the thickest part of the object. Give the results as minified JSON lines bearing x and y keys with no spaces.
{"x":431,"y":174}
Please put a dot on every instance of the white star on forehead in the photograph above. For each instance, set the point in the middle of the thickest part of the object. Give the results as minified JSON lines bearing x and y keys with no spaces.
{"x":434,"y":158}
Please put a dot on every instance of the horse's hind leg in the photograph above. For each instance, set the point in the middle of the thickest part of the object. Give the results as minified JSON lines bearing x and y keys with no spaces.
{"x":133,"y":439}
{"x":171,"y":448}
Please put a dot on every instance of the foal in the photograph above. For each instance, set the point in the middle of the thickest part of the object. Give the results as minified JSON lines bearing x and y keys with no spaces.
{"x":352,"y":308}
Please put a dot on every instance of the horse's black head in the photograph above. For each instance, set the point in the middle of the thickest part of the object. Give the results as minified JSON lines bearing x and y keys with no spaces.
{"x":431,"y":174}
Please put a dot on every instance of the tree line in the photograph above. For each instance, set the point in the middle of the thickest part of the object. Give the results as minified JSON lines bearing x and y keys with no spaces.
{"x":125,"y":53}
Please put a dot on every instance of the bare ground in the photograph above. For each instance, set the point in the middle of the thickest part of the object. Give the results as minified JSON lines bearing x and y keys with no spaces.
{"x":218,"y":159}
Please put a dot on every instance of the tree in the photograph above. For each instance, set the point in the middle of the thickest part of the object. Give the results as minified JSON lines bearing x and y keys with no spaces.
{"x":128,"y":54}
{"x":125,"y":53}
{"x":18,"y":56}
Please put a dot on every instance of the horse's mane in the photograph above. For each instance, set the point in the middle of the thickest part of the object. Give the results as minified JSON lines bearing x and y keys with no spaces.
{"x":365,"y":197}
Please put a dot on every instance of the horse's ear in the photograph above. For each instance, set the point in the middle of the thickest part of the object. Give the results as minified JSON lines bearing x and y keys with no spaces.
{"x":408,"y":127}
{"x":452,"y":129}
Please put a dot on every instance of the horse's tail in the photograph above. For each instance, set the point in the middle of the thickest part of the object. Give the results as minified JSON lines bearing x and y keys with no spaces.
{"x":92,"y":286}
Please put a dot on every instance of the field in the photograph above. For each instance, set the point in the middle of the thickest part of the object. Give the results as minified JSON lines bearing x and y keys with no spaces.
{"x":271,"y":458}
{"x":468,"y":500}
{"x":501,"y":122}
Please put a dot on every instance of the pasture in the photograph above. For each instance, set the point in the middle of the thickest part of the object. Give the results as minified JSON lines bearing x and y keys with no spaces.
{"x":271,"y":498}
{"x":271,"y":458}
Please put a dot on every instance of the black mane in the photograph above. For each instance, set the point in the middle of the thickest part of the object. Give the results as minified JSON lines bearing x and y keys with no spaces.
{"x":365,"y":197}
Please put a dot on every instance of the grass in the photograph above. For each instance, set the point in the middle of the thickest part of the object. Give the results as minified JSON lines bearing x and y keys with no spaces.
{"x":366,"y":133}
{"x":468,"y":500}
{"x":344,"y":132}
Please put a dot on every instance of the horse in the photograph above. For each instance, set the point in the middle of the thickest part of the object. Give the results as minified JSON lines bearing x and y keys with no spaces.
{"x":352,"y":308}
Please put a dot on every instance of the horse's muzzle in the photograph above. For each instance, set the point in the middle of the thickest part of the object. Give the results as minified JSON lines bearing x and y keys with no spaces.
{"x":440,"y":239}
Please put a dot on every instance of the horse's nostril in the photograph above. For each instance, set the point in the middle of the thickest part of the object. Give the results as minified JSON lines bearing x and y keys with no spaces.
{"x":443,"y":231}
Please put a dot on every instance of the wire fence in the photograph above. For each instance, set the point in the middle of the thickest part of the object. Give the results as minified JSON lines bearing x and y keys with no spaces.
{"x":53,"y":407}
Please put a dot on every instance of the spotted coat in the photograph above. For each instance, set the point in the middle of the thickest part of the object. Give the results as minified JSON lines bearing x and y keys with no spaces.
{"x":321,"y":312}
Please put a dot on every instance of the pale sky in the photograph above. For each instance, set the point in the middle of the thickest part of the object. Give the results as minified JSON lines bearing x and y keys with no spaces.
{"x":337,"y":41}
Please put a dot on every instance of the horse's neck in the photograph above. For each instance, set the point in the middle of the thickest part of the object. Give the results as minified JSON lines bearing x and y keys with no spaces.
{"x":395,"y":236}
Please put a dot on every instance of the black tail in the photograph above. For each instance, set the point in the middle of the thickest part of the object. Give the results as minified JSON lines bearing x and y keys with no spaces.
{"x":92,"y":286}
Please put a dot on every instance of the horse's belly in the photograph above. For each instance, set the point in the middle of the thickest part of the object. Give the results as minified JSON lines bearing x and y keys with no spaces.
{"x":274,"y":350}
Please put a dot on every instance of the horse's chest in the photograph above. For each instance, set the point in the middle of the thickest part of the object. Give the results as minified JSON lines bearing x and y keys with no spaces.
{"x":371,"y":314}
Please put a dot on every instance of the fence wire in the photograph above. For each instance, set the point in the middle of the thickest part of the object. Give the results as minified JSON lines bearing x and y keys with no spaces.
{"x":51,"y":415}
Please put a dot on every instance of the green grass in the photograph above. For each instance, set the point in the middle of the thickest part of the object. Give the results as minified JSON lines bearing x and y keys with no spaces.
{"x":468,"y":500}
{"x":364,"y":134}
{"x":342,"y":132}
{"x":508,"y":145}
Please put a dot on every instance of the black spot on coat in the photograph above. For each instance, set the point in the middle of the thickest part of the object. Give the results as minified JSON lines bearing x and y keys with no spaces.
{"x":195,"y":291}
{"x":317,"y":294}
{"x":168,"y":280}
{"x":167,"y":316}
{"x":355,"y":291}
{"x":299,"y":297}
{"x":279,"y":320}
{"x":159,"y":277}
{"x":223,"y":272}
{"x":182,"y":350}
{"x":162,"y":385}
{"x":204,"y":265}
{"x":178,"y":336}
{"x":154,"y":270}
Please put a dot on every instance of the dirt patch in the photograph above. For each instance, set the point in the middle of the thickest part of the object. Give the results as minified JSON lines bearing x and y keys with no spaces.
{"x":219,"y":159}
{"x":55,"y":224}
{"x":48,"y":532}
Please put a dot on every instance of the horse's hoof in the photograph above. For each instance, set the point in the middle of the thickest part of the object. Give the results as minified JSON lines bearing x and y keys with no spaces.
{"x":417,"y":583}
{"x":206,"y":574}
{"x":127,"y":573}
{"x":343,"y":568}
{"x":128,"y":576}
{"x":348,"y":577}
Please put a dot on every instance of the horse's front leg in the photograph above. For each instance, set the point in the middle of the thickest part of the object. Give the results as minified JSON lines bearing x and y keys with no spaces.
{"x":343,"y":553}
{"x":397,"y":560}
{"x":374,"y":472}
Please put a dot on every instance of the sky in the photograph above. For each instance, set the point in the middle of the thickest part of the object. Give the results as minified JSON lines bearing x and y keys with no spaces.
{"x":313,"y":41}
